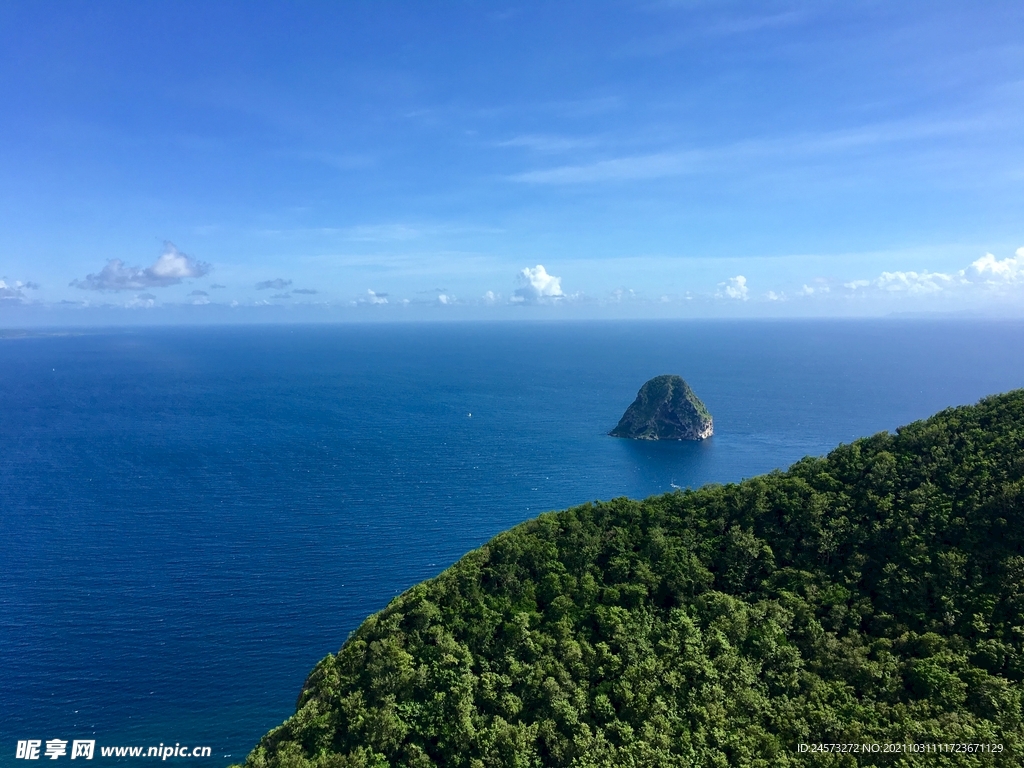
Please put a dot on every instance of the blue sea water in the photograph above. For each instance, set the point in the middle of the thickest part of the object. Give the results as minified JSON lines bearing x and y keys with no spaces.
{"x":191,"y":518}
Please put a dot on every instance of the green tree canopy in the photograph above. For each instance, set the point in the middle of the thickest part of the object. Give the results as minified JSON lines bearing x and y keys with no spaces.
{"x":872,"y":596}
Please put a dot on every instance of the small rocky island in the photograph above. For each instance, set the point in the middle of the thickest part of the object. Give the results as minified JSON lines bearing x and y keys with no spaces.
{"x":665,"y":409}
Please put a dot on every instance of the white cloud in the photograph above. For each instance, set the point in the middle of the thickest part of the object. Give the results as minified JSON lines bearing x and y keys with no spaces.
{"x":536,"y":285}
{"x":142,"y":301}
{"x":15,"y":291}
{"x":985,"y":273}
{"x":773,"y":296}
{"x":491,"y":298}
{"x":989,"y":269}
{"x":734,"y":288}
{"x":819,"y":287}
{"x":11,"y":292}
{"x":443,"y":298}
{"x":620,"y":294}
{"x":372,"y":297}
{"x":913,"y":283}
{"x":171,"y":268}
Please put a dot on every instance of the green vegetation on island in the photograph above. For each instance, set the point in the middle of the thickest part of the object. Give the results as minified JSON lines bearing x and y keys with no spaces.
{"x":872,"y":596}
{"x":665,"y":409}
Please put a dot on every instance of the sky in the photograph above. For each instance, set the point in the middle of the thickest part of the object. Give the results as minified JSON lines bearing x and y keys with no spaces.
{"x":231,"y":162}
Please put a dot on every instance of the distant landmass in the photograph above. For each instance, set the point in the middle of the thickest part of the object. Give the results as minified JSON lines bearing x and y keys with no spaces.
{"x":872,"y":598}
{"x":665,"y":409}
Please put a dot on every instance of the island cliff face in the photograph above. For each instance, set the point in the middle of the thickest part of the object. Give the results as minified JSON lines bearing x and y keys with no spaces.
{"x":665,"y":409}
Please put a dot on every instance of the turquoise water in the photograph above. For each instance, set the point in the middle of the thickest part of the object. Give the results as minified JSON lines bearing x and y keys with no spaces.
{"x":191,"y":518}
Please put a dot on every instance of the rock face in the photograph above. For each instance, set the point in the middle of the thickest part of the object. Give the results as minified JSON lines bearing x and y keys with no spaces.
{"x":665,"y":409}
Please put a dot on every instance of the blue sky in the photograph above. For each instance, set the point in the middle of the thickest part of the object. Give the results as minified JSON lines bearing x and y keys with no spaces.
{"x":216,"y":161}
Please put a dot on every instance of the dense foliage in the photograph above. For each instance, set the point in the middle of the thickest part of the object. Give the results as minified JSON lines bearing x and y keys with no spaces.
{"x":876,"y":595}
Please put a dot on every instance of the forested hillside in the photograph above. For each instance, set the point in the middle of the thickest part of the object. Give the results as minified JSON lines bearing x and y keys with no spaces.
{"x":872,"y":596}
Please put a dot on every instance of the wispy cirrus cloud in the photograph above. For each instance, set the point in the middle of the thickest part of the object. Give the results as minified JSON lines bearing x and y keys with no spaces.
{"x":394,"y":232}
{"x":618,"y":169}
{"x":171,"y":268}
{"x":547,"y":143}
{"x":739,"y":25}
{"x":705,"y":26}
{"x":382,"y":232}
{"x":743,"y":155}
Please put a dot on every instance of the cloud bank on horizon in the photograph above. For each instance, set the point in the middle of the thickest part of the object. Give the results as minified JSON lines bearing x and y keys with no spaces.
{"x":603,"y":160}
{"x":983,"y":281}
{"x":987,"y":271}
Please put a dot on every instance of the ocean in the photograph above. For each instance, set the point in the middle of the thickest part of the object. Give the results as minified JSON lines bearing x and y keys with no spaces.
{"x":190,"y":518}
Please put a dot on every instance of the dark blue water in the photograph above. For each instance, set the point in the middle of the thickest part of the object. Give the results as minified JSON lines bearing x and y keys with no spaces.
{"x":190,"y":519}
